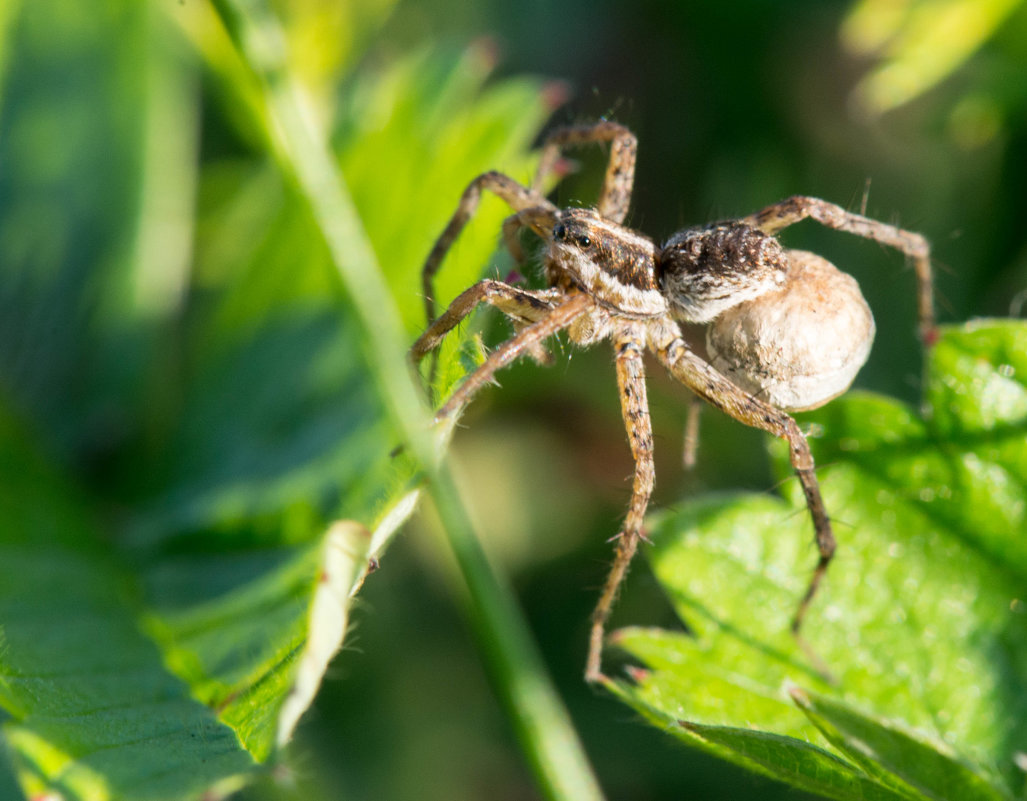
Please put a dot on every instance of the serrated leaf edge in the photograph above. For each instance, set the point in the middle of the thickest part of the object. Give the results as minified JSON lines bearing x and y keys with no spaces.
{"x":866,"y":755}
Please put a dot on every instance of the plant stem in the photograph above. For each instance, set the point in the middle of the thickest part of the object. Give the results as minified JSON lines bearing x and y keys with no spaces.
{"x":542,"y":724}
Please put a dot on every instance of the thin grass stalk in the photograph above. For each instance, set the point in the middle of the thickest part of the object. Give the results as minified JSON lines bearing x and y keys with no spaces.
{"x":543,"y":726}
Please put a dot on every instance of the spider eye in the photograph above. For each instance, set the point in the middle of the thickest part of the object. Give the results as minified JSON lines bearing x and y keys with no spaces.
{"x":583,"y":241}
{"x":559,"y":232}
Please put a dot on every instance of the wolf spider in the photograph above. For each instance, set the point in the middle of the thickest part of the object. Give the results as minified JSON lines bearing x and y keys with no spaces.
{"x":786,"y":329}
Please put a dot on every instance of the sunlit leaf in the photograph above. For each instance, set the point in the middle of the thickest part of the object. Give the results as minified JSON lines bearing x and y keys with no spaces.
{"x":921,"y":622}
{"x":921,"y":42}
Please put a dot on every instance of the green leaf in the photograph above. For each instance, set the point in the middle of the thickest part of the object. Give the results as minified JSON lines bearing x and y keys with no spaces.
{"x":787,"y":759}
{"x":921,"y":622}
{"x":184,"y":420}
{"x":94,"y":712}
{"x":925,"y":767}
{"x":805,"y":766}
{"x":238,"y":641}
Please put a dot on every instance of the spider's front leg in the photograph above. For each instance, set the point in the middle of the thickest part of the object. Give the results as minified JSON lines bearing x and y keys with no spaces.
{"x":526,"y":341}
{"x":615,"y":195}
{"x":630,"y":345}
{"x":517,"y":196}
{"x":780,"y":215}
{"x":521,"y":305}
{"x":718,"y":391}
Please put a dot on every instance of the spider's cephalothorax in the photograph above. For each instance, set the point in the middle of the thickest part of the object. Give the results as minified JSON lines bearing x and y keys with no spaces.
{"x":785,"y":329}
{"x":608,"y":261}
{"x":622,"y":258}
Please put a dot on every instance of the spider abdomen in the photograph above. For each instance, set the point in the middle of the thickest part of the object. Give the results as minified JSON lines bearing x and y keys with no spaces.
{"x":801,"y":345}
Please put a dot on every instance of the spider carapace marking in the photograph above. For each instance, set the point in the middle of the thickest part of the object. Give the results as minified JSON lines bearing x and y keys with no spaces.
{"x":786,"y":330}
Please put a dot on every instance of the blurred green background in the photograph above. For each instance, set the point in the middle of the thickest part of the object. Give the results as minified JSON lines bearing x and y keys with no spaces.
{"x":917,"y":109}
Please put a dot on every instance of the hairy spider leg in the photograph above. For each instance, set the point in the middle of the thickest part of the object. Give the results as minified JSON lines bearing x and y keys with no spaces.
{"x":787,"y":212}
{"x":717,"y":390}
{"x":615,"y":195}
{"x":512,"y":226}
{"x":516,"y":195}
{"x":522,"y":305}
{"x":524,"y":341}
{"x":629,"y":345}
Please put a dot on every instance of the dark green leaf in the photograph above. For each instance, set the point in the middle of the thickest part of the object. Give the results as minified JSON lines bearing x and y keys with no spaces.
{"x":94,"y":711}
{"x":921,"y":620}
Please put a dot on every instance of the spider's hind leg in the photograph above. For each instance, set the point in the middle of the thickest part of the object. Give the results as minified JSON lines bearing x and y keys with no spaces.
{"x":691,"y":446}
{"x":719,"y":391}
{"x":780,"y":215}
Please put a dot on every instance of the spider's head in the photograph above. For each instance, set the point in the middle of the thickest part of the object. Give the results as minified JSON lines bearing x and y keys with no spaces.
{"x":612,"y":263}
{"x":705,"y":271}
